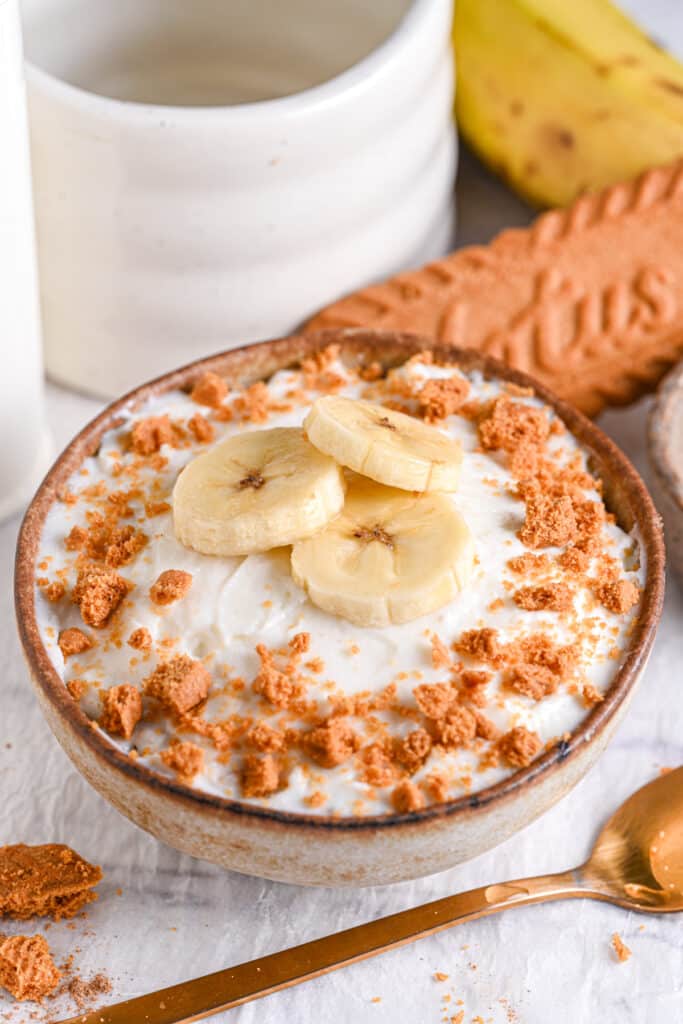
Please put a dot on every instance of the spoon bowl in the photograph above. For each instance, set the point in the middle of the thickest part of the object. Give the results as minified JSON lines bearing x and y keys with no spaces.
{"x":637,"y":860}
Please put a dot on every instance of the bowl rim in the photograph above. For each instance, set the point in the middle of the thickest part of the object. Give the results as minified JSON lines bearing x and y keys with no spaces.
{"x":257,"y":361}
{"x":347,"y":82}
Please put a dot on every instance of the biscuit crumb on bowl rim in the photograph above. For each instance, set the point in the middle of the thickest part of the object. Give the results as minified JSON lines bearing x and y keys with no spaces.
{"x":110,"y":769}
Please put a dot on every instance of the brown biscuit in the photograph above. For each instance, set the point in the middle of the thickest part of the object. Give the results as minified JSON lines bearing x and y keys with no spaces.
{"x":40,"y":881}
{"x":589,"y":300}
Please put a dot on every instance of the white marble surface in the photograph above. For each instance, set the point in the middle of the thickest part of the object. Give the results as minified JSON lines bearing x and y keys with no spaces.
{"x":177,"y":917}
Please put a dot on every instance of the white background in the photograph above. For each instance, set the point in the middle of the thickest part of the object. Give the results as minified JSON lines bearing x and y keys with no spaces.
{"x":177,"y":917}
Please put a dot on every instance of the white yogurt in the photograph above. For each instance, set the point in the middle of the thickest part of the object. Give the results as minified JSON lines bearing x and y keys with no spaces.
{"x":236,"y":602}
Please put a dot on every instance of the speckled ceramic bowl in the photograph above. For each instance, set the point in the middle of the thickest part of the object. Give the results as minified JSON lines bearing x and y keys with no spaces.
{"x":313,"y":849}
{"x":665,"y":446}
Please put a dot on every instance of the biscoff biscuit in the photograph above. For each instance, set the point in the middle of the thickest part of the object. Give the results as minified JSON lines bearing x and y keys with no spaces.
{"x":45,"y":881}
{"x":588,"y":299}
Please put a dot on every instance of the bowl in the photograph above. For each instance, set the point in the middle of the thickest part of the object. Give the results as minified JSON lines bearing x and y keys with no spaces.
{"x":665,"y":449}
{"x":207,"y":174}
{"x":311,"y":849}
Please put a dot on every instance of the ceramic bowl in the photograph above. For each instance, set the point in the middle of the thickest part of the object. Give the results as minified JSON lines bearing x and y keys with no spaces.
{"x":311,"y":849}
{"x":180,"y":211}
{"x":665,"y":449}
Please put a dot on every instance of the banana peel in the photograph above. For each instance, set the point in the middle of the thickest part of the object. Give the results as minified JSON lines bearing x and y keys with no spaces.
{"x":562,"y":98}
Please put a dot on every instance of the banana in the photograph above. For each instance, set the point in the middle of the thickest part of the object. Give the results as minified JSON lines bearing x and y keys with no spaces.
{"x":389,"y":557}
{"x":560,"y":98}
{"x":256,"y":491}
{"x":389,"y":447}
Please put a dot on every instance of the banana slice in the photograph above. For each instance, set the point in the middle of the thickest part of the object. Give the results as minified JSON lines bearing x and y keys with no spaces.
{"x":387,"y":446}
{"x":389,"y":557}
{"x":256,"y":491}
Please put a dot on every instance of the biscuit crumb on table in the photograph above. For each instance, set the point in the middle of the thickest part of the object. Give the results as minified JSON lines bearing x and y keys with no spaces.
{"x":27,"y":969}
{"x":620,"y":948}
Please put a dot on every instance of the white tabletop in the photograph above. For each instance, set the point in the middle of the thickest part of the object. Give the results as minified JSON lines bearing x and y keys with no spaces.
{"x":177,"y":917}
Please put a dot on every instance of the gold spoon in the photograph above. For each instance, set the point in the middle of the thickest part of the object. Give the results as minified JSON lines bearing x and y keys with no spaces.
{"x":637,"y":863}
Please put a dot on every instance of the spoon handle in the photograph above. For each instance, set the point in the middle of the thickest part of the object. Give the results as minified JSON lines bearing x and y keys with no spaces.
{"x":194,"y":1000}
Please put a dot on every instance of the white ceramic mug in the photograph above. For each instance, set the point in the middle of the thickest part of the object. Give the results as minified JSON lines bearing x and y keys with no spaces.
{"x":25,"y":449}
{"x":209,"y":173}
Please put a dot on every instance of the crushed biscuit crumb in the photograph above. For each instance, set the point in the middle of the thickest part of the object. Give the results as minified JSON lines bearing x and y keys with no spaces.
{"x":121,"y":710}
{"x":554,"y":597}
{"x":441,"y":657}
{"x":74,"y":641}
{"x":140,"y":639}
{"x":618,"y":596}
{"x":406,"y":797}
{"x":76,"y":688}
{"x":481,"y":645}
{"x":148,"y":435}
{"x":186,"y":759}
{"x":98,"y":593}
{"x":331,"y":743}
{"x":591,"y":695}
{"x":441,"y":398}
{"x":574,"y":560}
{"x":549,"y":522}
{"x":534,"y":681}
{"x":435,"y":699}
{"x":170,"y":586}
{"x":519,"y":746}
{"x":528,"y":564}
{"x":377,"y":768}
{"x":265,"y":738}
{"x":201,"y":429}
{"x":54,"y":591}
{"x":620,"y":948}
{"x":27,"y":969}
{"x":513,"y":425}
{"x":179,"y":684}
{"x":473,"y":683}
{"x":486,"y":729}
{"x":209,"y":389}
{"x":457,"y":728}
{"x":260,"y":775}
{"x":277,"y":687}
{"x":413,"y":750}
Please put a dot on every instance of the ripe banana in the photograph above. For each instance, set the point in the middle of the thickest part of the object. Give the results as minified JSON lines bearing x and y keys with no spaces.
{"x":388,"y":558}
{"x":560,"y":98}
{"x":386,"y":446}
{"x":256,"y":491}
